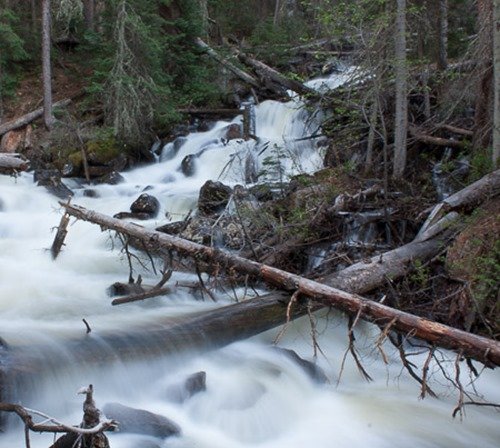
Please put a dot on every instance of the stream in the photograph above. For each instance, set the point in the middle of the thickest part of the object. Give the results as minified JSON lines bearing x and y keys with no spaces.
{"x":255,"y":395}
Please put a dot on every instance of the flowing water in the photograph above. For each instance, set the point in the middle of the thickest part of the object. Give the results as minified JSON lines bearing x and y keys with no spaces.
{"x":256,"y":396}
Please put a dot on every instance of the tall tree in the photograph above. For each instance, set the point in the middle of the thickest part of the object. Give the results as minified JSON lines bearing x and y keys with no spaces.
{"x":496,"y":109}
{"x":48,"y":117}
{"x":89,"y":14}
{"x":443,"y":35}
{"x":401,"y":119}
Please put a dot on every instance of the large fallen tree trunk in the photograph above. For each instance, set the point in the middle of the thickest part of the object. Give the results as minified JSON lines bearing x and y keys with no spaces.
{"x":10,"y":163}
{"x":29,"y":117}
{"x":267,"y":72}
{"x":485,"y":350}
{"x":244,"y":76}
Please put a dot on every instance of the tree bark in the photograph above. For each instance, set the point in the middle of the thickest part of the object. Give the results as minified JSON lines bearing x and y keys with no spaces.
{"x":496,"y":109}
{"x":48,"y":117}
{"x":244,"y":76}
{"x":29,"y":117}
{"x":443,"y":35}
{"x":10,"y":164}
{"x":437,"y":141}
{"x":276,"y":76}
{"x":401,"y":119}
{"x":89,"y":14}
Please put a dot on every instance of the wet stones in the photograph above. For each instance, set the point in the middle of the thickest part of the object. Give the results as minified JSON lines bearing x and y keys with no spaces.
{"x":51,"y":180}
{"x":214,"y":197}
{"x":139,"y":421}
{"x":233,"y":132}
{"x":144,"y":207}
{"x":193,"y":384}
{"x":188,"y":167}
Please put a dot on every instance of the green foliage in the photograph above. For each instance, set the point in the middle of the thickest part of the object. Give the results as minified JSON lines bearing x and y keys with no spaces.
{"x":481,"y":164}
{"x":420,"y":274}
{"x":12,"y":51}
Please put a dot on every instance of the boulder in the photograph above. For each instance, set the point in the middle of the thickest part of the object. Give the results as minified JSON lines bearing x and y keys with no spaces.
{"x":146,"y":204}
{"x":188,"y":166}
{"x":51,"y":180}
{"x":111,"y":178}
{"x":314,"y":372}
{"x":12,"y":141}
{"x":193,"y":384}
{"x":213,"y":198}
{"x":233,"y":131}
{"x":139,"y":421}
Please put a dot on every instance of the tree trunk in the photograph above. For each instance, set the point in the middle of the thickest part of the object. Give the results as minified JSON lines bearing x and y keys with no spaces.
{"x":484,"y":91}
{"x":48,"y":117}
{"x":496,"y":109}
{"x":89,"y":14}
{"x":266,"y":71}
{"x":29,"y":117}
{"x":443,"y":35}
{"x":33,"y":15}
{"x":11,"y":164}
{"x":401,"y":120}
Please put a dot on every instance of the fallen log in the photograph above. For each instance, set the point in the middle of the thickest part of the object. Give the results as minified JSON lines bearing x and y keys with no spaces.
{"x":29,"y":117}
{"x":484,"y":350}
{"x":436,"y":141}
{"x":10,"y":163}
{"x":244,"y":76}
{"x":267,"y":72}
{"x":230,"y":113}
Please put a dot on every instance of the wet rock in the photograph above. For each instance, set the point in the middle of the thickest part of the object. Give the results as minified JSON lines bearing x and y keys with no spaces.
{"x":234,"y":131}
{"x":213,"y":198}
{"x":51,"y":180}
{"x":112,"y":178}
{"x":139,"y":421}
{"x":90,"y":193}
{"x":315,"y":372}
{"x":188,"y":165}
{"x":124,"y":289}
{"x":168,"y":179}
{"x":146,"y":204}
{"x":171,"y":149}
{"x":2,"y":205}
{"x":98,"y":171}
{"x":193,"y":384}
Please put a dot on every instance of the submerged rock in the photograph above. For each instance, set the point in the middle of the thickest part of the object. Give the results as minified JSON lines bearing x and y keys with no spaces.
{"x":112,"y":178}
{"x":312,"y":370}
{"x":213,"y":198}
{"x":139,"y":421}
{"x":193,"y":384}
{"x":188,"y":167}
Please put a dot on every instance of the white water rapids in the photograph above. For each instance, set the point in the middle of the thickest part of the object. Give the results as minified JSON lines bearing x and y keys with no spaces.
{"x":256,"y":396}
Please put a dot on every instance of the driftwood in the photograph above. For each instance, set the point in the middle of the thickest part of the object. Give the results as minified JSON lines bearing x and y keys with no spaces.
{"x":482,"y":349}
{"x":244,"y":76}
{"x":29,"y":117}
{"x":436,"y":141}
{"x":11,"y":163}
{"x":61,"y":233}
{"x":267,"y":72}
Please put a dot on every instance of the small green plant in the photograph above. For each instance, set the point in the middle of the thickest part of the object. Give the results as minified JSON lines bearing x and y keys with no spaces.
{"x":420,"y":274}
{"x":481,"y":164}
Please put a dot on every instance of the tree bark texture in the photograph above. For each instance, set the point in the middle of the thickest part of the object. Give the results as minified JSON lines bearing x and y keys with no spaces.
{"x":48,"y":117}
{"x":89,"y":14}
{"x":401,"y":73}
{"x":443,"y":35}
{"x":496,"y":108}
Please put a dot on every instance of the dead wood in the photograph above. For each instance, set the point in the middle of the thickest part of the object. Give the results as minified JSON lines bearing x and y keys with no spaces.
{"x":267,"y":72}
{"x":211,"y":112}
{"x":244,"y":76}
{"x":436,"y":141}
{"x":61,"y":233}
{"x":11,"y":163}
{"x":154,"y":292}
{"x":29,"y":117}
{"x":457,"y":130}
{"x":484,"y":350}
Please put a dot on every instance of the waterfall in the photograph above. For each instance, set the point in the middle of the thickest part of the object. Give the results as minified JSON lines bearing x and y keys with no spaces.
{"x":256,"y":396}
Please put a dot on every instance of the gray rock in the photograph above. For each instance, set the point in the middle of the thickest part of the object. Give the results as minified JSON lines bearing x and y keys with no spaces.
{"x":139,"y":421}
{"x":188,"y":165}
{"x":213,"y":198}
{"x":193,"y":384}
{"x":111,"y":178}
{"x":51,"y":180}
{"x":146,"y":204}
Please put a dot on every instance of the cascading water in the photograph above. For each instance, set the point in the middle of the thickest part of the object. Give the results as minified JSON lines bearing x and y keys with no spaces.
{"x":256,"y":396}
